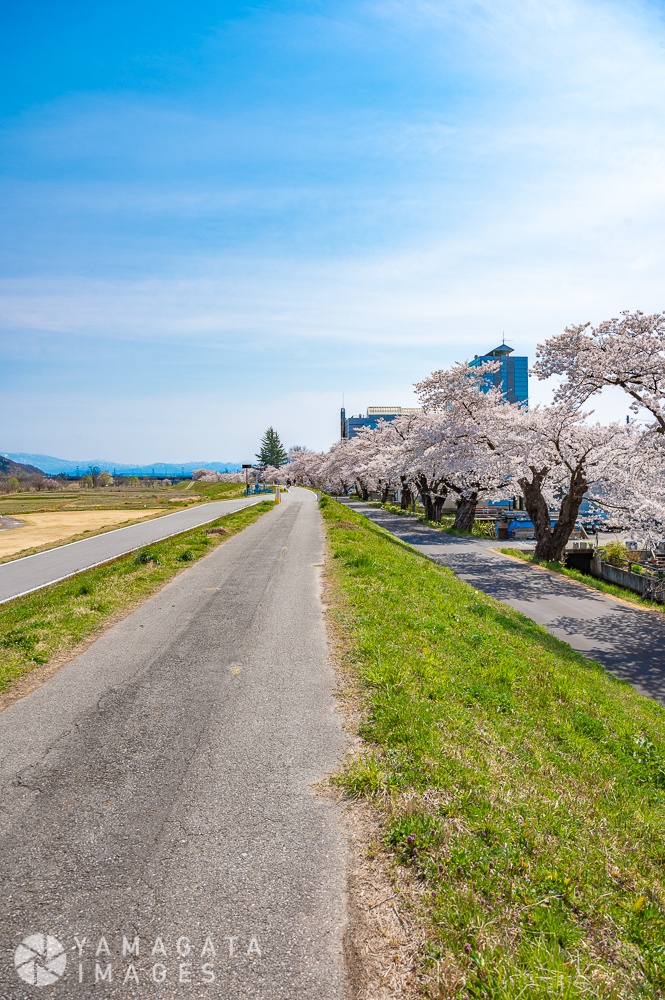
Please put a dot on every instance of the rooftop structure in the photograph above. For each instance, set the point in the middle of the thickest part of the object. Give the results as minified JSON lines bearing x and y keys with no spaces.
{"x":351,"y":425}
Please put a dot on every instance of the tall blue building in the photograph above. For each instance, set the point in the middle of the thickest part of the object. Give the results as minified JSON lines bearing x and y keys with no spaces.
{"x":512,"y":377}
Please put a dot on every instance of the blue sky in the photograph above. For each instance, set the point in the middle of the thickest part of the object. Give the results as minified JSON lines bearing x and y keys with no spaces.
{"x":219,"y":216}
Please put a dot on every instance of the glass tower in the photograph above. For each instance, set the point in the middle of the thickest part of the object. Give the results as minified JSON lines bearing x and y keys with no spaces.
{"x":512,"y":377}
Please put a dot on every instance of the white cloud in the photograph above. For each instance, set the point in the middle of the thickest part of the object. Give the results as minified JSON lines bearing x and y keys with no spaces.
{"x":531,"y":197}
{"x":560,"y":217}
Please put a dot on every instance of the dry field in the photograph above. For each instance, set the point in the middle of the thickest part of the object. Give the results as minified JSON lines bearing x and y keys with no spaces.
{"x":55,"y":527}
{"x":17,"y":504}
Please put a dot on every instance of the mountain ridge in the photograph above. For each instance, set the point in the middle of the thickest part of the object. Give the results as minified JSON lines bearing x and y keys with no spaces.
{"x":51,"y":465}
{"x":8,"y":467}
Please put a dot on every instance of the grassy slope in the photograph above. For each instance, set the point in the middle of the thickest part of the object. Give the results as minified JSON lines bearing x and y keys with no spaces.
{"x":589,"y":581}
{"x":522,"y":785}
{"x":218,"y":491}
{"x":55,"y":619}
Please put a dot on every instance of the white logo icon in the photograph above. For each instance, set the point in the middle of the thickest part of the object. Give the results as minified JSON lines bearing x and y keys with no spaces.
{"x":40,"y":960}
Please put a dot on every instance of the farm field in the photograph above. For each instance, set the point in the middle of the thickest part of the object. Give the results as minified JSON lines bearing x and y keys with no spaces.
{"x":43,"y":529}
{"x":117,"y":497}
{"x":109,"y":498}
{"x":56,"y":516}
{"x":51,"y":622}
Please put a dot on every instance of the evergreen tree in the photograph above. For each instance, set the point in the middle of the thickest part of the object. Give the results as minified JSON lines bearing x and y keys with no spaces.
{"x":272,"y":450}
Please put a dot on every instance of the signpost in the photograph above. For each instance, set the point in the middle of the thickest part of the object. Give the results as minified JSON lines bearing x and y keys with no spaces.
{"x":247,"y":468}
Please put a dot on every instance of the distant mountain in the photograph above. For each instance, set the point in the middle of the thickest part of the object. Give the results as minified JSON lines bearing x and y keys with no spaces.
{"x":10,"y":468}
{"x":52,"y":466}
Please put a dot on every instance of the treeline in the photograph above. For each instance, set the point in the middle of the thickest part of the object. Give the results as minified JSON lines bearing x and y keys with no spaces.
{"x":15,"y":477}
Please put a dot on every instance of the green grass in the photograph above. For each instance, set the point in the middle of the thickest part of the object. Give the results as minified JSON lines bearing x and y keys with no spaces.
{"x":218,"y":491}
{"x":590,"y":581}
{"x":56,"y":619}
{"x":521,"y":785}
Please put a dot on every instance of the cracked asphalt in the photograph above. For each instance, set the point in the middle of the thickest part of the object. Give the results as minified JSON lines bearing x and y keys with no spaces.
{"x":158,"y":793}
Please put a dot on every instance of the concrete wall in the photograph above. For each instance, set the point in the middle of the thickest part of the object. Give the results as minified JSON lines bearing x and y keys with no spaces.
{"x":631,"y":581}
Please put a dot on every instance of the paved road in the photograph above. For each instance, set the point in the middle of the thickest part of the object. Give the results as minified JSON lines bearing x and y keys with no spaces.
{"x":7,"y":523}
{"x":20,"y":576}
{"x":628,"y":641}
{"x":161,"y":786}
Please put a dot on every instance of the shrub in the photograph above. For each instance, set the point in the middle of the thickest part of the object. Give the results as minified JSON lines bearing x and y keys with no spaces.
{"x":483,"y":529}
{"x":146,"y":556}
{"x":615,"y":553}
{"x":187,"y":555}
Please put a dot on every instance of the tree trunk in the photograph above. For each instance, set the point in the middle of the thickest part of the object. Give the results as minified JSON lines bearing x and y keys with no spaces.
{"x":433,"y":501}
{"x":384,"y":493}
{"x":429,"y":506}
{"x":362,"y":490}
{"x":437,"y":507}
{"x":466,"y":513}
{"x":405,"y":501}
{"x":434,"y":506}
{"x":422,"y":491}
{"x":551,"y":541}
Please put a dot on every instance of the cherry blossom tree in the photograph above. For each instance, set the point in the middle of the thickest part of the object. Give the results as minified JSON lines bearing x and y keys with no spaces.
{"x":426,"y":463}
{"x":357,"y":453}
{"x":558,"y":459}
{"x":305,"y":467}
{"x":336,"y":474}
{"x":206,"y":476}
{"x":628,"y":352}
{"x":469,"y":442}
{"x":397,"y":439}
{"x":477,"y":468}
{"x":469,"y":417}
{"x":386,"y":466}
{"x":552,"y":452}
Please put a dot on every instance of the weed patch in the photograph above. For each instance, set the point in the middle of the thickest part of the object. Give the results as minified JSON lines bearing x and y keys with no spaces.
{"x":142,"y":558}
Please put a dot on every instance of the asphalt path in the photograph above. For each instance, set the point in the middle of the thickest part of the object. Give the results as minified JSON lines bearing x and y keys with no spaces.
{"x":629,"y":641}
{"x":161,"y":787}
{"x":21,"y":576}
{"x":7,"y":523}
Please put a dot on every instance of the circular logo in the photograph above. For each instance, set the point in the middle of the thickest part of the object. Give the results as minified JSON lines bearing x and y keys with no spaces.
{"x":40,"y":960}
